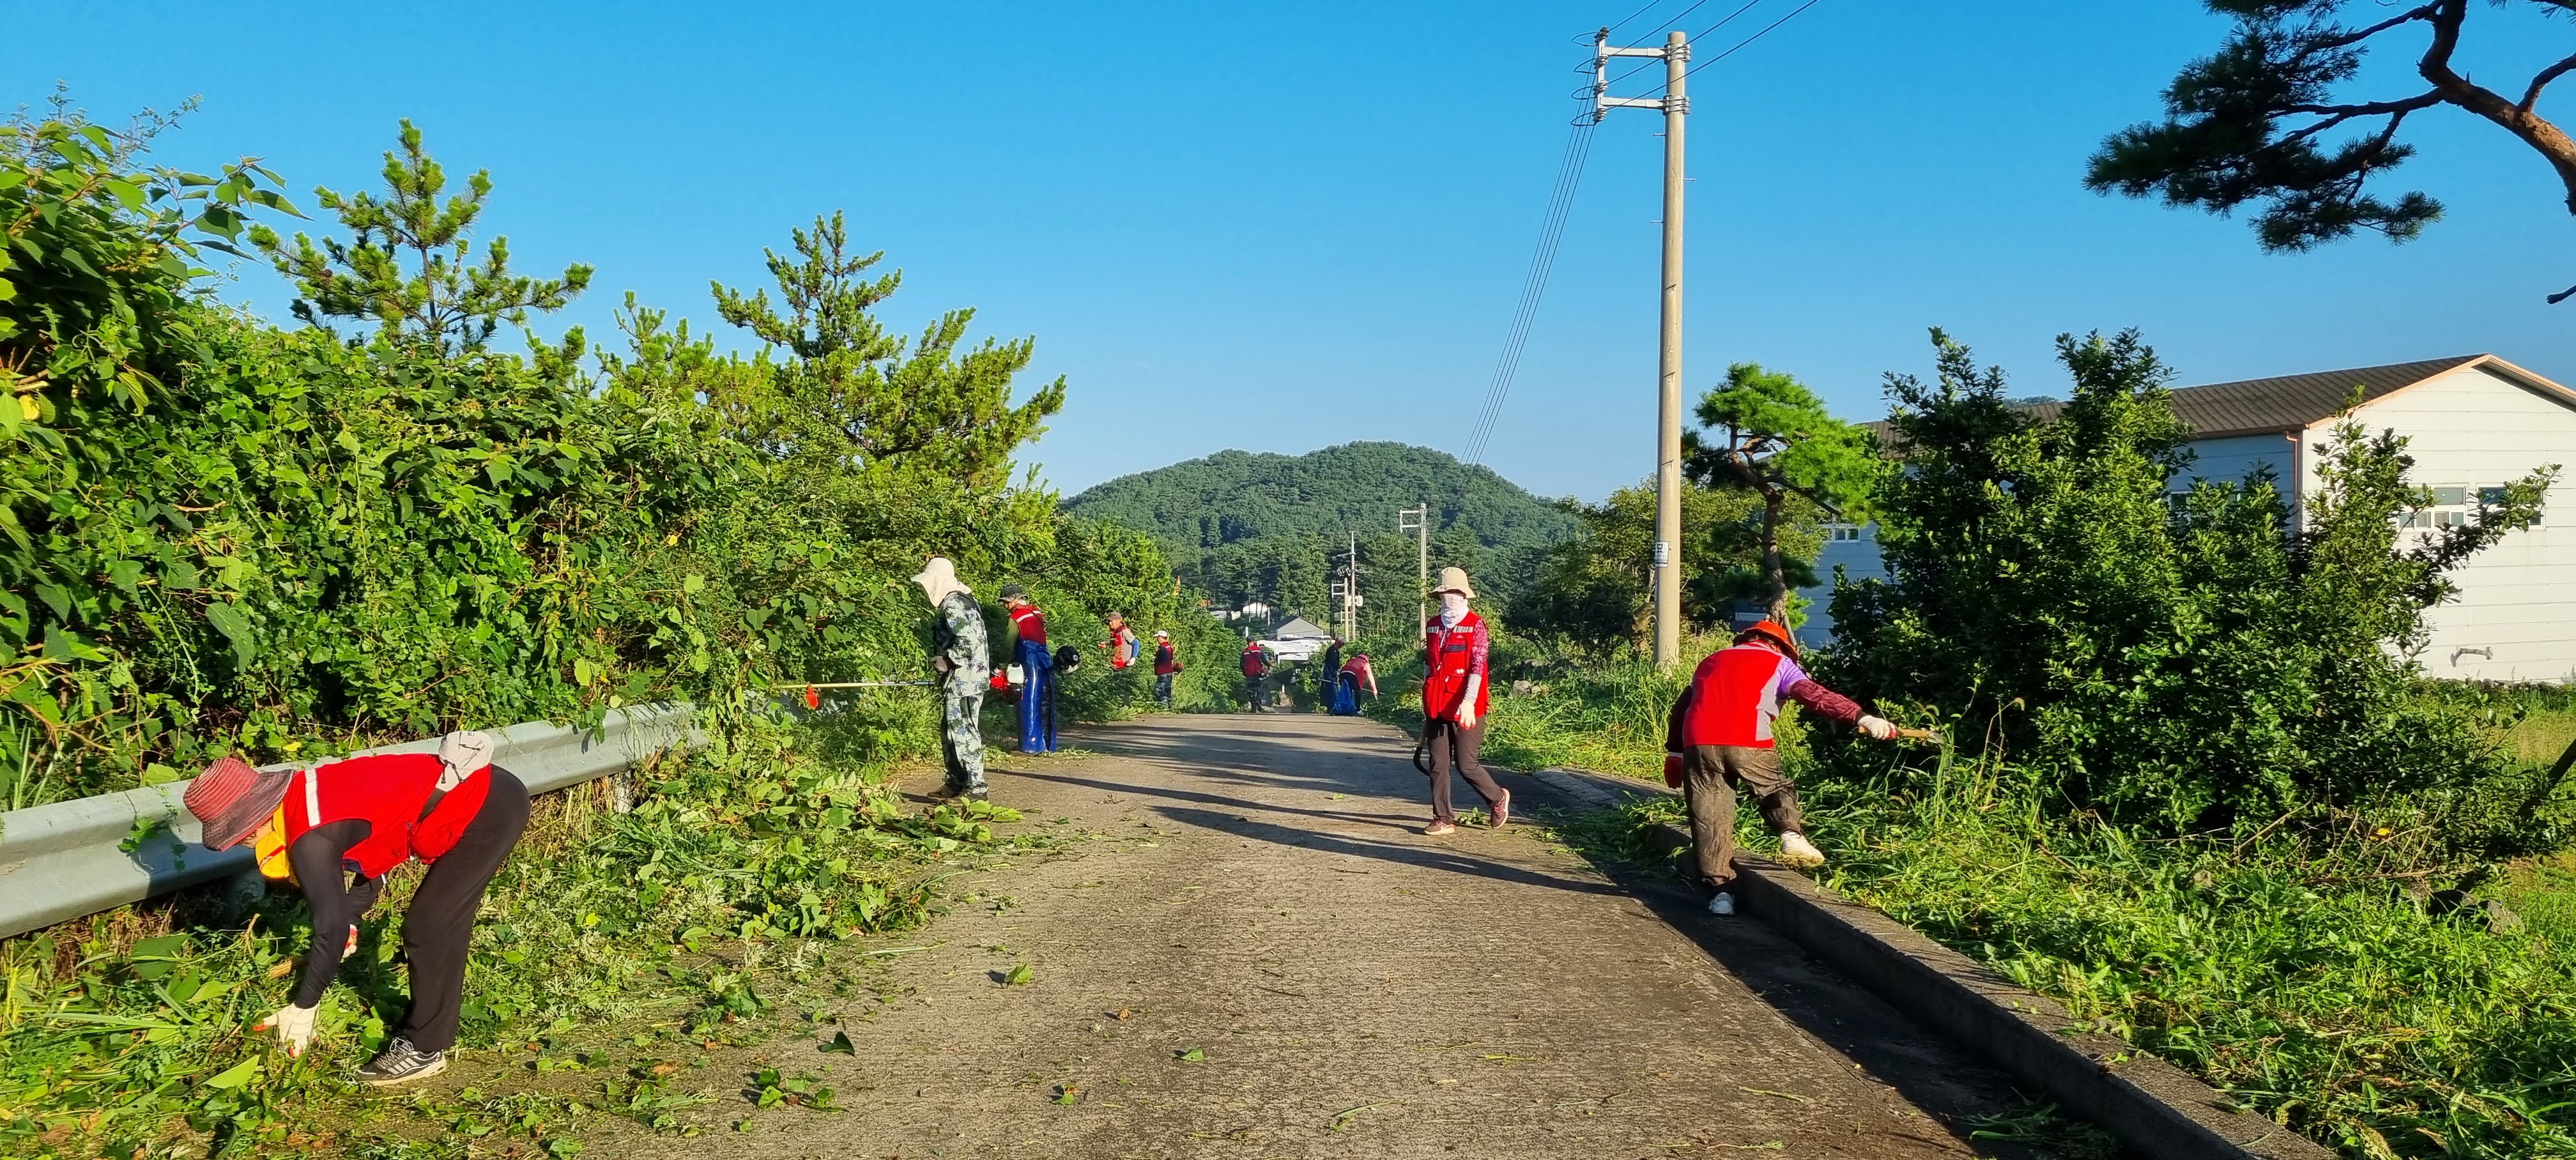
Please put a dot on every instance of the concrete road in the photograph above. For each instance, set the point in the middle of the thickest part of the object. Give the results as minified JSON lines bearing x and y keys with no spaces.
{"x":1265,"y":958}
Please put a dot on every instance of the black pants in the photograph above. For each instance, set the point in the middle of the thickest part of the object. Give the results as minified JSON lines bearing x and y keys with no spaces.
{"x":1253,"y":690}
{"x":438,"y":928}
{"x":1163,"y":689}
{"x":1445,"y":740}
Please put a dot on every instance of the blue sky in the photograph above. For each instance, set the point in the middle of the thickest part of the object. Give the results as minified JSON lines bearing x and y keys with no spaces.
{"x":1287,"y":226}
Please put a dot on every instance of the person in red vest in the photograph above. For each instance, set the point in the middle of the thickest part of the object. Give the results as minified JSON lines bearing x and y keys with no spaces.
{"x":1455,"y":692}
{"x":452,"y":809}
{"x":1719,"y":737}
{"x":1256,"y":674}
{"x":1037,"y":671}
{"x":1167,"y":664}
{"x":1122,"y":644}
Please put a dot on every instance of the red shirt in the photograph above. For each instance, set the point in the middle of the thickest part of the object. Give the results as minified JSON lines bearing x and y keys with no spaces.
{"x":1454,"y":654}
{"x":1030,"y":623}
{"x":385,"y":791}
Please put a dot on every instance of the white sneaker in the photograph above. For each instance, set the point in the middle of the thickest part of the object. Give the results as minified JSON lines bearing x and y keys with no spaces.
{"x":1798,"y":852}
{"x":1722,"y":903}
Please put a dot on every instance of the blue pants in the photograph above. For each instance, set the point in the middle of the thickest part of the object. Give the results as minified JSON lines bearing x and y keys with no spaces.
{"x":1345,"y":696}
{"x":1037,"y":700}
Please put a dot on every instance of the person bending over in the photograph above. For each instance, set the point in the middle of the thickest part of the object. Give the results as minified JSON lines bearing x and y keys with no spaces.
{"x":452,"y":809}
{"x":1719,"y":737}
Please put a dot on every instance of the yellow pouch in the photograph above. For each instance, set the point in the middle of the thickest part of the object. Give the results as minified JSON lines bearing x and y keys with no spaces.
{"x":270,"y":844}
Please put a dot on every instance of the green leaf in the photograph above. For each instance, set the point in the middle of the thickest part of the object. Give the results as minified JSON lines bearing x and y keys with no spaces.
{"x":1019,"y":976}
{"x":236,"y":628}
{"x":840,"y":1045}
{"x":1191,"y":1055}
{"x":235,"y":1076}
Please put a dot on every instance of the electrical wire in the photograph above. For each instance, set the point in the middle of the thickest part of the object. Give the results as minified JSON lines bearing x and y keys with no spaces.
{"x":1569,"y":176}
{"x":1703,"y":33}
{"x":1766,"y":31}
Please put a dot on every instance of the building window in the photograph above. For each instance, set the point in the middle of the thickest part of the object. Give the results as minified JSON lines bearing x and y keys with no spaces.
{"x":1842,"y":533}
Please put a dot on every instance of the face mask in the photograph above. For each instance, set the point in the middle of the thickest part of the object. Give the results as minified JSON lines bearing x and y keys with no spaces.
{"x":1453,"y":608}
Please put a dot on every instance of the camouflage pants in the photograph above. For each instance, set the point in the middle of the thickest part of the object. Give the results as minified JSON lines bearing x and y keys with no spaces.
{"x":962,"y":739}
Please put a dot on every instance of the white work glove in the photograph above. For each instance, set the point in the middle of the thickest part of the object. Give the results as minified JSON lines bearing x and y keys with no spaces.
{"x":294,"y":1026}
{"x":1467,"y":702}
{"x":1878,"y":728}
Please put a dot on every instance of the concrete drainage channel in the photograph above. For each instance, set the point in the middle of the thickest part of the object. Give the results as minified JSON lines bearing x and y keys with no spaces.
{"x":2157,"y":1111}
{"x":64,"y":860}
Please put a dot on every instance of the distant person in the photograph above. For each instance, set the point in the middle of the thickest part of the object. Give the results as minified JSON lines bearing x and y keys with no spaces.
{"x":964,"y":663}
{"x":1256,"y":674}
{"x":1122,"y":644}
{"x":1327,"y":675}
{"x":1037,"y":671}
{"x":452,"y":809}
{"x":1167,"y":664}
{"x":1719,"y":736}
{"x":1348,"y":680}
{"x":1454,"y":695}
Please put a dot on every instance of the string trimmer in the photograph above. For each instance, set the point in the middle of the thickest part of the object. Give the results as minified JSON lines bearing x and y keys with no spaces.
{"x":814,"y":695}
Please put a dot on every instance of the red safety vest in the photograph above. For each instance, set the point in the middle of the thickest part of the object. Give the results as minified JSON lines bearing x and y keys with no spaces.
{"x":1030,"y":623}
{"x":1452,"y":657}
{"x":385,"y":791}
{"x":1253,"y":664}
{"x":1122,"y":647}
{"x":1166,"y":661}
{"x":1734,"y":698}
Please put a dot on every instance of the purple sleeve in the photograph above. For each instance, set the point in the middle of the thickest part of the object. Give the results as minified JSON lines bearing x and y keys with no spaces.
{"x":1476,"y":660}
{"x":1824,"y":702}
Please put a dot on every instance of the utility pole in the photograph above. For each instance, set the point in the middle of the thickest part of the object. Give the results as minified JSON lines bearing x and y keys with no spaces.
{"x":1351,"y":590}
{"x":1668,"y":429}
{"x":1417,"y":520}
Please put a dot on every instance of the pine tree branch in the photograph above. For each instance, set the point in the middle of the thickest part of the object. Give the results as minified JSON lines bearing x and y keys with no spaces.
{"x":2335,"y":115}
{"x":2531,"y":96}
{"x":2351,"y":38}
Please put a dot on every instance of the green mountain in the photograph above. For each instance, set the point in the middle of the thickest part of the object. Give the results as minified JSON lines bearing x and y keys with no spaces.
{"x":1244,"y":526}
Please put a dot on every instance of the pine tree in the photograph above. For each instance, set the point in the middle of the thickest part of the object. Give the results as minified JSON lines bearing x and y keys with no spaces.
{"x":1774,"y":436}
{"x":851,"y":392}
{"x":2244,"y":125}
{"x":408,"y":265}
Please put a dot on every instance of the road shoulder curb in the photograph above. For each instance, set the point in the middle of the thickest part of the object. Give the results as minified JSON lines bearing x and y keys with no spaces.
{"x":2156,"y":1110}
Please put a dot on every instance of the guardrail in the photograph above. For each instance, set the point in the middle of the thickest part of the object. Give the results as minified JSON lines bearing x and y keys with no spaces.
{"x":68,"y":859}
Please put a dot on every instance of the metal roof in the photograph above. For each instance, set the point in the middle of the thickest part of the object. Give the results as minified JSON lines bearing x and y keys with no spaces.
{"x":2295,"y":402}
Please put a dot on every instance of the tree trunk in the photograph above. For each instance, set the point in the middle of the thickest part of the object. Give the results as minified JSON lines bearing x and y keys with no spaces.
{"x":1772,"y":501}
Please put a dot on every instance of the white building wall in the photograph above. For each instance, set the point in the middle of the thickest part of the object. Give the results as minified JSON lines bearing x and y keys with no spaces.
{"x":1858,"y":558}
{"x":2240,"y":456}
{"x":2473,"y":428}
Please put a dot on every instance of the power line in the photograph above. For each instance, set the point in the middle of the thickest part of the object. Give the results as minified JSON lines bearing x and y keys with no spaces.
{"x":1730,"y":19}
{"x":1569,"y":176}
{"x":1766,"y":31}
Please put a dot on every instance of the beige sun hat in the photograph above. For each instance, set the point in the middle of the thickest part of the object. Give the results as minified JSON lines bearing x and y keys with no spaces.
{"x":1454,"y":579}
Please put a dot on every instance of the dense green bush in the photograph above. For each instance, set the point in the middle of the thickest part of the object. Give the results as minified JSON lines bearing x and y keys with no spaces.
{"x":2181,"y":659}
{"x":218,"y":535}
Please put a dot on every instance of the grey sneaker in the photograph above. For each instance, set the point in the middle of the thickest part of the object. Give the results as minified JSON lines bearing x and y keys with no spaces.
{"x":400,"y":1063}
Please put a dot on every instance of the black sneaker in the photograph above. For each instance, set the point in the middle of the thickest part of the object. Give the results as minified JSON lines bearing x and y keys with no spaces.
{"x":399,"y":1063}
